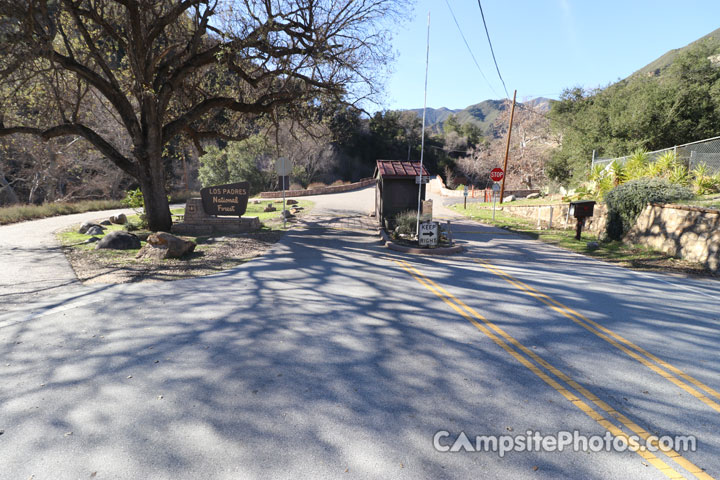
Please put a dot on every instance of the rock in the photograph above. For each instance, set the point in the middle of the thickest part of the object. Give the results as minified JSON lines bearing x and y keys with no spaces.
{"x":164,"y":245}
{"x":533,"y":195}
{"x":509,"y":198}
{"x":87,"y":226}
{"x":593,"y":245}
{"x":119,"y":240}
{"x":95,"y":230}
{"x":291,"y":202}
{"x":119,"y":219}
{"x":287,"y":214}
{"x":106,"y":222}
{"x":91,"y":240}
{"x":269,"y":208}
{"x":256,"y":201}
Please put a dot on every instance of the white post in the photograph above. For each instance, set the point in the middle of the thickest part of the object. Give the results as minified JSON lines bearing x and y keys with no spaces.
{"x":283,"y":185}
{"x":550,"y":219}
{"x":494,"y":199}
{"x":422,"y":142}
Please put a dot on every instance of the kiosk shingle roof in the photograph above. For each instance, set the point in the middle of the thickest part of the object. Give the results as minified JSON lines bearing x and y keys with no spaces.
{"x":399,"y":169}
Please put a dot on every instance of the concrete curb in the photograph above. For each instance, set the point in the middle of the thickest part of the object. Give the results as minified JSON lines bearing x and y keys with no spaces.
{"x":418,"y":251}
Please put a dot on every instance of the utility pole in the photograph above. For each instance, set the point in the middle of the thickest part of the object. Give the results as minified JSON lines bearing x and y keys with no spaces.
{"x":507,"y":148}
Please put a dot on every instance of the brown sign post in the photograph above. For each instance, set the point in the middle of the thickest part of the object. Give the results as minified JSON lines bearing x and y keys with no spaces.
{"x":228,"y":200}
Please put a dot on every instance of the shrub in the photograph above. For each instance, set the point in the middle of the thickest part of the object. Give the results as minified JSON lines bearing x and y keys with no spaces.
{"x":249,"y":160}
{"x":625,"y":202}
{"x":315,"y":185}
{"x":405,"y":223}
{"x":703,"y":182}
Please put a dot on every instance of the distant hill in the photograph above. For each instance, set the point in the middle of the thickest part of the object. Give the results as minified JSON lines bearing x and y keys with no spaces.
{"x":657,"y":66}
{"x":482,"y":114}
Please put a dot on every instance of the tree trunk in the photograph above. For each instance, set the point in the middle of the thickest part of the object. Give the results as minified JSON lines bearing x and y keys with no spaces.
{"x":152,"y":185}
{"x":7,"y":192}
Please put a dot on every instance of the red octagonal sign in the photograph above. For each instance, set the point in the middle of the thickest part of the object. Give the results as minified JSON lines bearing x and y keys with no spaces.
{"x":497,"y":174}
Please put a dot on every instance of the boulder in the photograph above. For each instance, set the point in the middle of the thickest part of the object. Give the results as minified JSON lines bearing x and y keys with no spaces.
{"x":91,"y":240}
{"x":119,"y":219}
{"x":87,"y":226}
{"x":291,"y":202}
{"x":119,"y":240}
{"x":106,"y":222}
{"x":269,"y":208}
{"x":509,"y":198}
{"x":162,"y":245}
{"x":533,"y":195}
{"x":592,"y":245}
{"x":255,"y":201}
{"x":287,"y":214}
{"x":95,"y":230}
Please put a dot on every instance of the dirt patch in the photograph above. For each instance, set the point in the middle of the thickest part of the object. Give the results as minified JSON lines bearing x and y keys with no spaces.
{"x":212,"y":255}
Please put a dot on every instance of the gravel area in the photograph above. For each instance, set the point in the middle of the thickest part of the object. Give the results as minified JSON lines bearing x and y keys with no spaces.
{"x":211,"y":256}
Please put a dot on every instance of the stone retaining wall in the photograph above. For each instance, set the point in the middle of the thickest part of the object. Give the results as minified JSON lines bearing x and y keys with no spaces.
{"x":321,"y":190}
{"x":692,"y":233}
{"x":595,"y":224}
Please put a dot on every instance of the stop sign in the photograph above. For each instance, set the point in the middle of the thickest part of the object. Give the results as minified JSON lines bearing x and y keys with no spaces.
{"x":497,"y":174}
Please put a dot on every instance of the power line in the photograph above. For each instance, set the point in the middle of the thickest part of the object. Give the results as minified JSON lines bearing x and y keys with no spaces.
{"x":491,"y":49}
{"x":469,"y":49}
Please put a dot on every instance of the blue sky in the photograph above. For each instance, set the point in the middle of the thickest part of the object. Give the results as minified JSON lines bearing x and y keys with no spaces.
{"x":542,"y":46}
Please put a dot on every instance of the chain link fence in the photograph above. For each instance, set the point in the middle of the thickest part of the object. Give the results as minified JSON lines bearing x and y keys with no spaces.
{"x":692,"y":154}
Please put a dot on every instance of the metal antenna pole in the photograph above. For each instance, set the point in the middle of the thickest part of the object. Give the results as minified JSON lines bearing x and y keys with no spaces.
{"x":422,"y":141}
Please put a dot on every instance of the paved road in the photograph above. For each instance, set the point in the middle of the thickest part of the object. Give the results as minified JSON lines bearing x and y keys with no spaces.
{"x":332,"y":357}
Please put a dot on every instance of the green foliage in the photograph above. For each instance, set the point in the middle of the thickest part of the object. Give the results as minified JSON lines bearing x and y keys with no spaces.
{"x":679,"y":175}
{"x":641,"y":112}
{"x":703,"y":182}
{"x":249,"y":160}
{"x":134,"y":199}
{"x":618,"y":173}
{"x":405,"y":223}
{"x":624,"y":203}
{"x":637,"y":164}
{"x":451,"y":124}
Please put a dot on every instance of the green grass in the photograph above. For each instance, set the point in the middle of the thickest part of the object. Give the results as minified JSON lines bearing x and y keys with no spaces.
{"x":613,"y":251}
{"x":707,"y":201}
{"x":21,"y":213}
{"x":270,"y":219}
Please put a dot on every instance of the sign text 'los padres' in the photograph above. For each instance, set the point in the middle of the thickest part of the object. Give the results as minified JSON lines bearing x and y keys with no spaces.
{"x":230,"y":199}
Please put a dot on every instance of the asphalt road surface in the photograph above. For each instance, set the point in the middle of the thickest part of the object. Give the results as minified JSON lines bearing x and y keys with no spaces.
{"x":333,"y":357}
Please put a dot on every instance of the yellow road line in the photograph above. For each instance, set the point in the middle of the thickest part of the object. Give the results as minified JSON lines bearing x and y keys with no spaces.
{"x":619,"y":342}
{"x":455,"y":304}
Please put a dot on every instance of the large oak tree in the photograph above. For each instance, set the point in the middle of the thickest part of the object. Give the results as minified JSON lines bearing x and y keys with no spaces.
{"x":160,"y":69}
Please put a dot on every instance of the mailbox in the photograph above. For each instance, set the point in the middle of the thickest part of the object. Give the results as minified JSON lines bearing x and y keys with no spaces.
{"x":582,"y":209}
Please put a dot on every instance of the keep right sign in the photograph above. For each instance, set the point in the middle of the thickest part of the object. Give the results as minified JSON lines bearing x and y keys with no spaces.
{"x":497,"y":174}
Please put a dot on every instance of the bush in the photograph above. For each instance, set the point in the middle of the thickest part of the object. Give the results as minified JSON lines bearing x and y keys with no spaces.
{"x":249,"y":160}
{"x":625,"y":202}
{"x":405,"y":223}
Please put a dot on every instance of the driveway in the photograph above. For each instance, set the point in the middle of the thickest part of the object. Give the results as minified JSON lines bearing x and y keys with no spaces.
{"x":333,"y":357}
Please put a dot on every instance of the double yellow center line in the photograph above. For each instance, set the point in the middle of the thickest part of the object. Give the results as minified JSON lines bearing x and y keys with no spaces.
{"x":558,"y":380}
{"x":661,"y":367}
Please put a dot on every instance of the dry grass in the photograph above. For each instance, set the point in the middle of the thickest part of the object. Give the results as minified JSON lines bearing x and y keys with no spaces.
{"x":21,"y":213}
